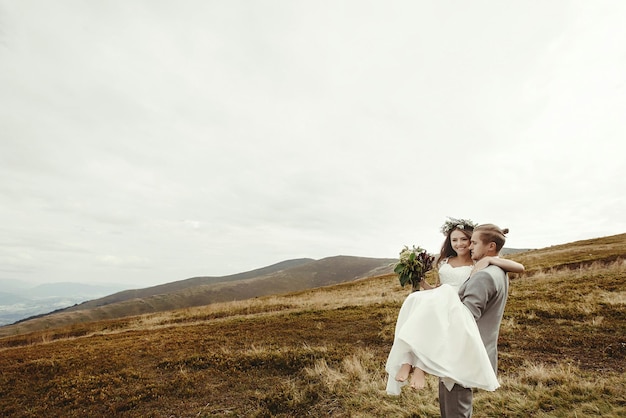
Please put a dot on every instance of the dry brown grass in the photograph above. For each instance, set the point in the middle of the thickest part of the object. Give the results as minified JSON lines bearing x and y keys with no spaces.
{"x":322,"y":353}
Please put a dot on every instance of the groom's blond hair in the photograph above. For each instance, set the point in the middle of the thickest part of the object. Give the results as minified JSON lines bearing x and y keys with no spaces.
{"x":492,"y":233}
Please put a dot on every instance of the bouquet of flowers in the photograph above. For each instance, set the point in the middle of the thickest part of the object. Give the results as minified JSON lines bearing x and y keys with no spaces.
{"x":413,"y":265}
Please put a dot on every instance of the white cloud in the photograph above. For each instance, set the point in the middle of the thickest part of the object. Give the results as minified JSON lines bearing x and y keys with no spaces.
{"x":148,"y":142}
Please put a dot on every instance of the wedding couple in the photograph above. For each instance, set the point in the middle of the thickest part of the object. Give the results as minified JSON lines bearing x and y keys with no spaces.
{"x":451,"y":330}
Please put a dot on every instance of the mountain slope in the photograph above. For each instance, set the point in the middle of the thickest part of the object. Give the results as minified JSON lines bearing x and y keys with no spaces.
{"x":182,"y":285}
{"x":322,"y":353}
{"x":289,"y":276}
{"x":575,"y":254}
{"x":27,"y":301}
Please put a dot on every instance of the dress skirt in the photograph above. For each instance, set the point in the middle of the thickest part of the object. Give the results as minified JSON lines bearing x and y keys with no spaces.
{"x":438,"y":334}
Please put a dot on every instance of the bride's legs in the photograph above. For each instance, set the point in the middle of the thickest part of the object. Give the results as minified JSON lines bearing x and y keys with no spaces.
{"x":404,"y":372}
{"x":418,"y":380}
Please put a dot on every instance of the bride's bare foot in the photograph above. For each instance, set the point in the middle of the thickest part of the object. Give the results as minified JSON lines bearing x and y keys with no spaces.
{"x":418,"y":380}
{"x":404,"y":372}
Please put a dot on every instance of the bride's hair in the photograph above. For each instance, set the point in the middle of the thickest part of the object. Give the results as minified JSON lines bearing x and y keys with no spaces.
{"x":446,"y":248}
{"x":492,"y":233}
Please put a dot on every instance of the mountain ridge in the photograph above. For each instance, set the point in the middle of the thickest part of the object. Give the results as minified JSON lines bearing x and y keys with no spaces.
{"x":179,"y":285}
{"x":283,"y":277}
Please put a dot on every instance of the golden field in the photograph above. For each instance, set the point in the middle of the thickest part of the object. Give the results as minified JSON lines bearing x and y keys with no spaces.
{"x":321,"y":352}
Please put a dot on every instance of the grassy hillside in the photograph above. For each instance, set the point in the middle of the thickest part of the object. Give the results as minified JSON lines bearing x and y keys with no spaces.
{"x":321,"y":353}
{"x":283,"y":277}
{"x":574,"y":255}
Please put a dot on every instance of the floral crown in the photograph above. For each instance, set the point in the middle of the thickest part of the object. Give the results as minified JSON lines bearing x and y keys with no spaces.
{"x":453,"y":223}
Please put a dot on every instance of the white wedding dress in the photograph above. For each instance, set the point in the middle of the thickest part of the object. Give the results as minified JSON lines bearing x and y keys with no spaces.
{"x":438,"y":334}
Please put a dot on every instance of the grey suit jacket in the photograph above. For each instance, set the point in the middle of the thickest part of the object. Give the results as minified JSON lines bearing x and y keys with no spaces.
{"x":485,"y":295}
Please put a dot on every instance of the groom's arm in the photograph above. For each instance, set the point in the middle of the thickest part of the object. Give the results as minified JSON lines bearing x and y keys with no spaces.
{"x":478,"y":292}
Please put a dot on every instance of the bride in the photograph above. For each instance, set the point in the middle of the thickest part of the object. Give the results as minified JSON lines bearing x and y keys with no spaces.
{"x":435,"y":333}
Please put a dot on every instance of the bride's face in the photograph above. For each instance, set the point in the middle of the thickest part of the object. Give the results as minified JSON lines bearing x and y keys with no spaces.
{"x":460,"y":242}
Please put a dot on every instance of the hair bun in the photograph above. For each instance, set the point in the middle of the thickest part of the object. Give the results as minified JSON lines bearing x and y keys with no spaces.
{"x":505,"y":231}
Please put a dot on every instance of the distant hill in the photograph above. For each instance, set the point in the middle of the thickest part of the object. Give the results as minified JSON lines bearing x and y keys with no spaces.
{"x":20,"y":300}
{"x":7,"y":298}
{"x":182,"y":285}
{"x":284,"y":277}
{"x":574,"y":255}
{"x":47,"y":290}
{"x":509,"y":251}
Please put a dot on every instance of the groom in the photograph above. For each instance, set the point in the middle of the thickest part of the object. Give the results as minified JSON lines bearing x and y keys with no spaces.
{"x":485,"y":294}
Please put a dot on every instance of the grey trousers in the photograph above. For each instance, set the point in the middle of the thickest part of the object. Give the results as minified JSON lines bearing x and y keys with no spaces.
{"x":456,"y":403}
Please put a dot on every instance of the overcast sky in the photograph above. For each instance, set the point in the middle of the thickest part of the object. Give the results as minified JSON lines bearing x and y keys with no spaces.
{"x":144,"y":142}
